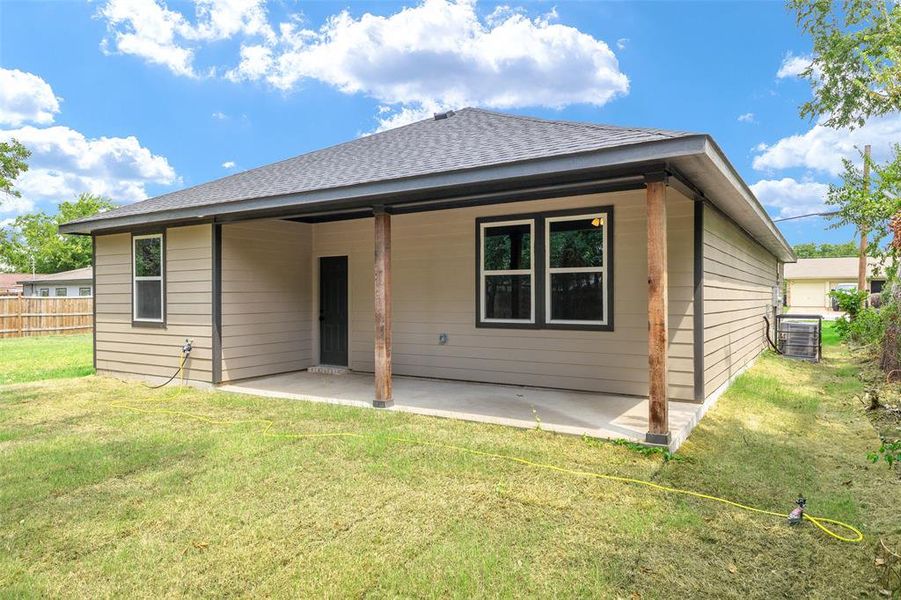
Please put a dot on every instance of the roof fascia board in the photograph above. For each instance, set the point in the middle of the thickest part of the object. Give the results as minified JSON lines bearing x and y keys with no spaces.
{"x":352,"y":196}
{"x":718,"y":158}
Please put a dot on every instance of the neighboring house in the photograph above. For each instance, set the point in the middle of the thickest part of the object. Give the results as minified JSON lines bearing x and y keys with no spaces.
{"x":475,"y":246}
{"x":9,"y":283}
{"x":77,"y":282}
{"x":809,"y":281}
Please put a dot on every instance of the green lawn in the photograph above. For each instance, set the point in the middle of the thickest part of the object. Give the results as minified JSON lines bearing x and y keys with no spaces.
{"x":100,"y":501}
{"x":45,"y":357}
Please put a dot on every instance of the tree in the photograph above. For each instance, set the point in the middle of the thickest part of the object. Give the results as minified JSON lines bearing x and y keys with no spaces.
{"x":826,"y":250}
{"x":875,"y":207}
{"x":36,"y":237}
{"x":855,"y":72}
{"x":12,"y":164}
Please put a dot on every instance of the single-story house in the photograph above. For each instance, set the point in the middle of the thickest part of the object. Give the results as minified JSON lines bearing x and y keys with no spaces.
{"x":809,"y":281}
{"x":9,"y":283}
{"x":77,"y":282}
{"x":618,"y":276}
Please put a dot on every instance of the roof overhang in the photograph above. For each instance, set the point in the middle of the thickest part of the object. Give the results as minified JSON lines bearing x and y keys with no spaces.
{"x":696,"y":161}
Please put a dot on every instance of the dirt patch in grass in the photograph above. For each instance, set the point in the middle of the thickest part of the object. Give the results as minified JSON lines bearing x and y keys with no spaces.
{"x":99,"y":501}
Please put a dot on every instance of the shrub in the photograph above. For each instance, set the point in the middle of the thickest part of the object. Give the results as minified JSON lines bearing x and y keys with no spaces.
{"x":867,"y":327}
{"x":889,"y":452}
{"x":850,"y":301}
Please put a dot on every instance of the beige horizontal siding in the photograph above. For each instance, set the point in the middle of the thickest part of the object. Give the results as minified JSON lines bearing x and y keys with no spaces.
{"x":128,"y":350}
{"x":739,"y":275}
{"x":266,"y":298}
{"x":433,"y":292}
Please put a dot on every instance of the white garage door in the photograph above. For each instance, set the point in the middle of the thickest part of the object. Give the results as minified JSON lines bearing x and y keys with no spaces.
{"x":812,"y":294}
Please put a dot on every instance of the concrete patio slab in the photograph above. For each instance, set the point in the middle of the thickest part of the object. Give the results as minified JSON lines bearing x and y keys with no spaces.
{"x":564,"y":411}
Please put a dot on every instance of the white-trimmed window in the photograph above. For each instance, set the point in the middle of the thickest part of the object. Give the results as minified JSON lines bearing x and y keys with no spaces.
{"x":148,"y":288}
{"x":62,"y":291}
{"x":575,"y":274}
{"x":507,"y":271}
{"x":44,"y":292}
{"x":84,"y":291}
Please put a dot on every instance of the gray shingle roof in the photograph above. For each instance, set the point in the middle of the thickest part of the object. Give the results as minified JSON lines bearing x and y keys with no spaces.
{"x":85,"y":273}
{"x":470,"y":138}
{"x":844,"y":267}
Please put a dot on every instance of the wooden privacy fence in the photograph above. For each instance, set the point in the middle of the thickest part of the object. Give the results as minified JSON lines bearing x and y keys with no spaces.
{"x":36,"y":315}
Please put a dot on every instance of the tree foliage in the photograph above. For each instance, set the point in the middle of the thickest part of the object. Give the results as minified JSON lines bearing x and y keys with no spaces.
{"x":873,"y":206}
{"x":826,"y":250}
{"x":856,"y":71}
{"x":12,"y":164}
{"x":36,"y":236}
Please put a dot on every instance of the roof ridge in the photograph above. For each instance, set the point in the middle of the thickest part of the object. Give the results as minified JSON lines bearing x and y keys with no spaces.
{"x":603,"y":126}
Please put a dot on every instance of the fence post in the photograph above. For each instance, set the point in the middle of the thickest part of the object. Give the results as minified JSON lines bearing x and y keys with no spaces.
{"x":19,"y":301}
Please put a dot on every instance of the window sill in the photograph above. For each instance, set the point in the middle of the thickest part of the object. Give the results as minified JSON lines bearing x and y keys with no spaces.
{"x":545,"y":326}
{"x":149,"y":324}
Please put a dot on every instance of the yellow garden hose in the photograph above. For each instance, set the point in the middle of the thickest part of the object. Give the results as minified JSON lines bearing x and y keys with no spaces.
{"x":268,"y":425}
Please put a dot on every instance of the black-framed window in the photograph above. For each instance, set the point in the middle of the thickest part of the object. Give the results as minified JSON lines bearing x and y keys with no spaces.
{"x":148,"y":285}
{"x":84,"y":291}
{"x":61,"y":291}
{"x":550,"y":270}
{"x":44,"y":292}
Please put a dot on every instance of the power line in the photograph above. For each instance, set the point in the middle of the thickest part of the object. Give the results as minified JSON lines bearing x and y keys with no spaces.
{"x":820,"y":214}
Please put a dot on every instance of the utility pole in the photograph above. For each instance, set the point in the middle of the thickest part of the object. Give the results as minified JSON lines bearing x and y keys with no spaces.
{"x":862,"y":259}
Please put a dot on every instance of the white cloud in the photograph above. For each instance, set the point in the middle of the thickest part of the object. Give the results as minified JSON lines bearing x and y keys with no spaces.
{"x":441,"y":54}
{"x":219,"y":115}
{"x":822,"y":148}
{"x":25,"y":97}
{"x":621,"y":43}
{"x":793,"y":66}
{"x":433,"y":56}
{"x":390,"y":117}
{"x":15,"y":206}
{"x":229,"y":164}
{"x":748,"y":117}
{"x":148,"y":29}
{"x":790,"y":197}
{"x":64,"y":163}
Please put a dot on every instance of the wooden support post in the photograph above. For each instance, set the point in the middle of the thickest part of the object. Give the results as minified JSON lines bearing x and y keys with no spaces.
{"x":382,"y":271}
{"x":658,"y":417}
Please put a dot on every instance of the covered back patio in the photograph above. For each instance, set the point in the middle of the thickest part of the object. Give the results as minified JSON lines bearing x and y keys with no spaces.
{"x":306,"y":308}
{"x":561,"y":411}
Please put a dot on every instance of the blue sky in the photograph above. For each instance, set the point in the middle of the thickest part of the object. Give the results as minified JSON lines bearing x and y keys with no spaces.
{"x":135,"y":98}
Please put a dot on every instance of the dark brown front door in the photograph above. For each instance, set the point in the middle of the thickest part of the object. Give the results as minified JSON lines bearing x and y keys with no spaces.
{"x":333,"y":310}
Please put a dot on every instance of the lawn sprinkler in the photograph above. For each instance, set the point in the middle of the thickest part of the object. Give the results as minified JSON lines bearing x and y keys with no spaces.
{"x":797,"y":515}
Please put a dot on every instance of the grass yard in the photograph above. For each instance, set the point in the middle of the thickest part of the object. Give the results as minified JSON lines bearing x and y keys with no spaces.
{"x":100,"y":501}
{"x":45,"y":357}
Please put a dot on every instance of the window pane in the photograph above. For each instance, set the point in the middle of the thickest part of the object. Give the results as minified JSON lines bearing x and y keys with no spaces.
{"x":508,"y":297}
{"x":84,"y":291}
{"x":147,"y":257}
{"x":578,"y":243}
{"x":507,"y":247}
{"x":577,"y":297}
{"x":61,"y":291}
{"x":45,"y":292}
{"x":148,"y":301}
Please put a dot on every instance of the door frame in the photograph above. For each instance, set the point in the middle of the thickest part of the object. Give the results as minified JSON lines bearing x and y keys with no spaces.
{"x":314,"y":317}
